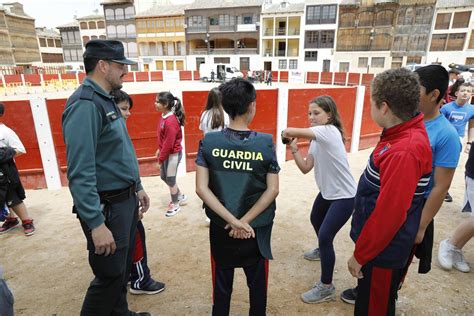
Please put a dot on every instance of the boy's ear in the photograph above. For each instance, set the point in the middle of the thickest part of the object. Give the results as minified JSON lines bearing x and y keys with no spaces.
{"x":434,"y":95}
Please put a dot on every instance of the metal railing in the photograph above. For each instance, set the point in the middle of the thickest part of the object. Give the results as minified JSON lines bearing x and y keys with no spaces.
{"x":196,"y":29}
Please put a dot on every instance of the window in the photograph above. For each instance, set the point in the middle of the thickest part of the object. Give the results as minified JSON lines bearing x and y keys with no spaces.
{"x":293,"y":64}
{"x":397,"y":62}
{"x":111,"y":31}
{"x":344,"y":67}
{"x":471,"y":41}
{"x":282,"y":64}
{"x":92,"y":25}
{"x":442,"y":21}
{"x":121,"y":32}
{"x":400,"y":43}
{"x":132,"y":50}
{"x":67,"y":55}
{"x":226,"y":19}
{"x":169,"y":23}
{"x":319,"y":39}
{"x":221,"y":60}
{"x":311,"y":55}
{"x":321,"y":14}
{"x":438,"y":42}
{"x":74,"y":55}
{"x":93,"y":37}
{"x":102,"y":37}
{"x":247,"y":19}
{"x":196,"y":20}
{"x":377,"y":62}
{"x":100,"y":25}
{"x":50,"y":42}
{"x":347,"y":20}
{"x":384,"y":17}
{"x":461,"y":19}
{"x":119,"y":14}
{"x":470,"y":61}
{"x":363,"y":62}
{"x":131,"y":31}
{"x":456,"y":41}
{"x":85,"y":39}
{"x":129,"y":13}
{"x":58,"y":43}
{"x":64,"y":37}
{"x":42,"y":42}
{"x":109,"y":14}
{"x":409,"y":16}
{"x":413,"y":60}
{"x":366,"y":18}
{"x":84,"y":25}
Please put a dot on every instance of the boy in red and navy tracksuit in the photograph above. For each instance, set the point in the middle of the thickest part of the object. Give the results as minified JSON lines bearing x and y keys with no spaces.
{"x":389,"y":197}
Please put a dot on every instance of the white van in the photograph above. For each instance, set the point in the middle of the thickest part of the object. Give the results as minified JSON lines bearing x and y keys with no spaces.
{"x":221,"y":72}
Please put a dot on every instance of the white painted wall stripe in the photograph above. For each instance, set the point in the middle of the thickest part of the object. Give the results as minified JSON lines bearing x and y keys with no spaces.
{"x":282,"y":122}
{"x":359,"y":108}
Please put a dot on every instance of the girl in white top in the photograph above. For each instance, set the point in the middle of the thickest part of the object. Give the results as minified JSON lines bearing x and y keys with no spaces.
{"x":334,"y":204}
{"x":213,"y":118}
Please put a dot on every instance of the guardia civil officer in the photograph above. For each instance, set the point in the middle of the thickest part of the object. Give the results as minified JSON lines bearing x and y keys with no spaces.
{"x":103,"y":177}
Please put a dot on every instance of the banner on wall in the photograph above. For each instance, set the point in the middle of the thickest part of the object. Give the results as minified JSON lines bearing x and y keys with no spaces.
{"x":295,"y":76}
{"x":170,"y":75}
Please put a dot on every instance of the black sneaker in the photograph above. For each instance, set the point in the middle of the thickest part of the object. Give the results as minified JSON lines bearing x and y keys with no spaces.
{"x":349,"y":296}
{"x":448,"y":197}
{"x":155,"y":287}
{"x":467,"y":208}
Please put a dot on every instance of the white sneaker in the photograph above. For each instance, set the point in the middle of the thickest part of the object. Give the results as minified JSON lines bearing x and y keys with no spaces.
{"x":445,"y":254}
{"x":458,"y":261}
{"x":172,"y":210}
{"x":182,"y":199}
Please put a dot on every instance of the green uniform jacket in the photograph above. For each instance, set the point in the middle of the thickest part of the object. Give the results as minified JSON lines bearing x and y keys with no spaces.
{"x":100,"y":154}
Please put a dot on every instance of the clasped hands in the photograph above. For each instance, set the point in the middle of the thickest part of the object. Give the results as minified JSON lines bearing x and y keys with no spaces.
{"x":240,"y":229}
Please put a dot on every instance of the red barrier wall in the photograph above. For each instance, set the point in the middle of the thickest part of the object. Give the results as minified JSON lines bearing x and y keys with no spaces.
{"x":312,"y":77}
{"x":47,"y":77}
{"x":18,"y":117}
{"x":196,"y":75}
{"x":354,"y":79}
{"x":369,"y":131}
{"x":194,"y":103}
{"x":283,"y":76}
{"x":12,"y":79}
{"x":141,"y":76}
{"x":68,"y":76}
{"x":82,"y":76}
{"x":326,"y":78}
{"x":34,"y":80}
{"x":128,"y":77}
{"x":340,"y":78}
{"x":275,"y":76}
{"x":156,"y":76}
{"x":55,"y":110}
{"x":298,"y":100}
{"x":185,"y":75}
{"x":366,"y":79}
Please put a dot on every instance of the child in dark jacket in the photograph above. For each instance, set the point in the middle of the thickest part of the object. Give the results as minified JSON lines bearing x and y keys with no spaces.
{"x":389,"y":197}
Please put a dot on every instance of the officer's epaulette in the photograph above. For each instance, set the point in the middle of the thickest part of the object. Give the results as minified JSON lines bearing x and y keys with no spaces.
{"x":87,"y":93}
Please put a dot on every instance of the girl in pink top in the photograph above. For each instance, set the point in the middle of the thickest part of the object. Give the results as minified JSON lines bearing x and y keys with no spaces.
{"x":169,"y":151}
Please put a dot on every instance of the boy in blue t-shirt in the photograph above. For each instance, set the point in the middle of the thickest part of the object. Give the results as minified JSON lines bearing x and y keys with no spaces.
{"x":459,"y":112}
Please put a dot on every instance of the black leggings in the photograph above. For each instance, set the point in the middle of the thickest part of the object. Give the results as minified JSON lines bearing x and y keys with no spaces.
{"x":328,"y":217}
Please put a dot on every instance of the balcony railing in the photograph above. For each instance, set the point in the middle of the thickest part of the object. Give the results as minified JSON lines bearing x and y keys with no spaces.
{"x":247,"y":51}
{"x":294,"y":32}
{"x":281,"y":31}
{"x":221,"y":28}
{"x":196,"y":29}
{"x":280,"y":53}
{"x":224,"y":51}
{"x":268,"y":32}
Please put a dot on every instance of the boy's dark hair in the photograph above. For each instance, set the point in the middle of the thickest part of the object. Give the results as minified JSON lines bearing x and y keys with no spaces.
{"x":400,"y":89}
{"x":434,"y":77}
{"x":173,"y":104}
{"x":120,"y":96}
{"x":90,"y":64}
{"x":237,"y":95}
{"x":2,"y":109}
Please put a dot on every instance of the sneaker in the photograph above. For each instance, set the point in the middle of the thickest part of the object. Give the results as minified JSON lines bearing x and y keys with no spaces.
{"x":467,"y":208}
{"x":155,"y":287}
{"x":182,"y":199}
{"x":130,"y":313}
{"x":349,"y":296}
{"x":448,"y":197}
{"x":9,"y":224}
{"x":458,"y":261}
{"x":312,"y":255}
{"x":445,"y":255}
{"x":173,"y":209}
{"x":319,"y":293}
{"x":28,"y":227}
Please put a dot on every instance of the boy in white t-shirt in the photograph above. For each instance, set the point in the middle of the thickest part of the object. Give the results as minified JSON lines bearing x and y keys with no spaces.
{"x":11,"y":189}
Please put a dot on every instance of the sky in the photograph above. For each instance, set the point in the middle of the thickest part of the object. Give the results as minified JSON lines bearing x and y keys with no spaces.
{"x":53,"y":13}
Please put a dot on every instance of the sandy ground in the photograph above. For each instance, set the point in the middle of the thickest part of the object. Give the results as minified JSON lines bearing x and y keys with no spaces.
{"x":49,"y":274}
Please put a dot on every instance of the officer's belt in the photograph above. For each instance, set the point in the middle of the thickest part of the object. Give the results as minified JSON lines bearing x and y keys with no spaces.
{"x":117,"y":196}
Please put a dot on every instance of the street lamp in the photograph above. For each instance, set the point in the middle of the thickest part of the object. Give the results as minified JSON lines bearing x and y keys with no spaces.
{"x":208,"y":44}
{"x":371,"y":38}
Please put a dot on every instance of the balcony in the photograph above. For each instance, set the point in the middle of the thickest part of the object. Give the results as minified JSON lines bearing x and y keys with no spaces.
{"x":198,"y":51}
{"x":246,"y":27}
{"x":268,"y":32}
{"x":247,"y":51}
{"x":196,"y":29}
{"x":294,"y":32}
{"x":221,"y":28}
{"x":280,"y":53}
{"x":224,"y":51}
{"x":281,"y":31}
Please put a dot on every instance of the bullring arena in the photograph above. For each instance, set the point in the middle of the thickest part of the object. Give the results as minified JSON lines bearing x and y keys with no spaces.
{"x":48,"y":273}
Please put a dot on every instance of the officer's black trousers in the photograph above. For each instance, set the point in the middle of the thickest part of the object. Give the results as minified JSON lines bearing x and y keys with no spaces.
{"x":257,"y":281}
{"x":107,"y":293}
